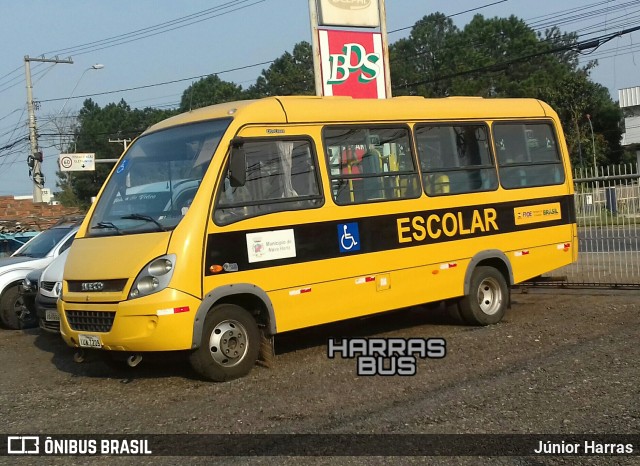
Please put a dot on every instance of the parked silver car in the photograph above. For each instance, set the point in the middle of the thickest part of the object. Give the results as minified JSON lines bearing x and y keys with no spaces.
{"x":48,"y":292}
{"x":35,"y":254}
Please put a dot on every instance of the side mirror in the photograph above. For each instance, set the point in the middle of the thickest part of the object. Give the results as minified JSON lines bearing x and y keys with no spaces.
{"x":237,"y":164}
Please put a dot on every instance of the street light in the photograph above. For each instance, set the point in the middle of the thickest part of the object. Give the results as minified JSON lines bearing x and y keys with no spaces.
{"x":97,"y":66}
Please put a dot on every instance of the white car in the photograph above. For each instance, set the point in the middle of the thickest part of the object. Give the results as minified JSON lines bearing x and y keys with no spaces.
{"x":38,"y":253}
{"x":50,"y":285}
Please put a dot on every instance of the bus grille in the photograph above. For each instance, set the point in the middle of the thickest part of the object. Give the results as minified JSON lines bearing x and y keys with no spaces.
{"x":91,"y":321}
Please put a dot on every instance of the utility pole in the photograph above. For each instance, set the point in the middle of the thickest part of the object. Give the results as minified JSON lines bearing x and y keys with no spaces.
{"x":35,"y":158}
{"x":123,"y":141}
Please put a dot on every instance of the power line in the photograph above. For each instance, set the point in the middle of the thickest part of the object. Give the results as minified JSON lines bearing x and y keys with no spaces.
{"x":451,"y":16}
{"x":14,"y":143}
{"x":161,"y":28}
{"x":195,"y":15}
{"x":217,"y":73}
{"x":15,"y":70}
{"x":11,"y":113}
{"x":159,"y":84}
{"x":554,"y":20}
{"x":139,"y":34}
{"x":557,"y":17}
{"x":578,"y":46}
{"x":20,"y":79}
{"x":233,"y":69}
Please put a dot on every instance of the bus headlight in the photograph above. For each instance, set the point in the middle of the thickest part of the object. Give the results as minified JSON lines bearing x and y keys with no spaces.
{"x":154,"y":277}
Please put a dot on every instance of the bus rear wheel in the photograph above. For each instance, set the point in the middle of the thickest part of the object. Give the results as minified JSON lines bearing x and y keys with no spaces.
{"x":230,"y":344}
{"x":488,"y":297}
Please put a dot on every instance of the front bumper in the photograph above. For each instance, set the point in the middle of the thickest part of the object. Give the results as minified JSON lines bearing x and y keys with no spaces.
{"x":137,"y":325}
{"x":44,"y":304}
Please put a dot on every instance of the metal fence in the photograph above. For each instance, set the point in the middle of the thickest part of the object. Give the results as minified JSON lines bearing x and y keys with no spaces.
{"x":608,"y":216}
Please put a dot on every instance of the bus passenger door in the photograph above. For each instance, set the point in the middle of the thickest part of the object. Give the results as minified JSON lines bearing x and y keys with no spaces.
{"x":262,"y":233}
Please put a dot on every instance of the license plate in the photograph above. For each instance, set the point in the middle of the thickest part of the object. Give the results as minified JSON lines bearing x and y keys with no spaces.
{"x":89,"y":341}
{"x":52,"y":316}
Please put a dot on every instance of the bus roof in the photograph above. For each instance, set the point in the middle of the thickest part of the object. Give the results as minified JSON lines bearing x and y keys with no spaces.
{"x":310,"y":109}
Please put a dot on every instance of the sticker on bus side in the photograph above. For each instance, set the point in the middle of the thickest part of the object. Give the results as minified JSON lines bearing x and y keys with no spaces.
{"x":348,"y":237}
{"x":270,"y":245}
{"x":537,"y":213}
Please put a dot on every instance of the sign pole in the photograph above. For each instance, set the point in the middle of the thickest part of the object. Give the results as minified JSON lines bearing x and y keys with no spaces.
{"x":385,"y":47}
{"x":315,"y":47}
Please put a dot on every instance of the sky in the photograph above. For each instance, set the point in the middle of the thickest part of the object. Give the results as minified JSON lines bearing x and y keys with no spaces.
{"x":232,"y":38}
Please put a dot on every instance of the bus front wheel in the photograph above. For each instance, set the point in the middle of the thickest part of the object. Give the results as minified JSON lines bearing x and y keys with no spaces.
{"x":230,"y":344}
{"x":488,"y":297}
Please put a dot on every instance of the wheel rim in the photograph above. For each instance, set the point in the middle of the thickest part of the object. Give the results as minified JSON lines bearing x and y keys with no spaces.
{"x":228,"y":343}
{"x":21,"y":310}
{"x":489,"y":296}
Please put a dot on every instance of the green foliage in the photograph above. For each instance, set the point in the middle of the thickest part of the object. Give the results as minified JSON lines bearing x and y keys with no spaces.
{"x":418,"y":62}
{"x":503,"y":57}
{"x":209,"y":91}
{"x":95,"y":127}
{"x":291,"y":74}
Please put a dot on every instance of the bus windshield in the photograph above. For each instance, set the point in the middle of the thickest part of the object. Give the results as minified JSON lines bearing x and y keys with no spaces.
{"x":156,"y":181}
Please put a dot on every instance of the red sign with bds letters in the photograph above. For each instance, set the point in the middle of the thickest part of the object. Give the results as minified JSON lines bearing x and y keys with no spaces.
{"x":352,"y":64}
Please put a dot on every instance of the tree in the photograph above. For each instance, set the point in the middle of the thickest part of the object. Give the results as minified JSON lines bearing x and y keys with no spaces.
{"x":209,"y":91}
{"x":290,"y":74}
{"x":504,"y":57}
{"x":418,"y":62}
{"x":489,"y":57}
{"x":95,"y":126}
{"x":574,"y":97}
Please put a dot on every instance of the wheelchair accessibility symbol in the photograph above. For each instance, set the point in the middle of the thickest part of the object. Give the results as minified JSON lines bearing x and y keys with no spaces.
{"x":349,"y":237}
{"x":122,"y":167}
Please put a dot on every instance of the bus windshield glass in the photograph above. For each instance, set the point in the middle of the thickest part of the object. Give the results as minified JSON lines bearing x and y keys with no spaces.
{"x":155,"y":183}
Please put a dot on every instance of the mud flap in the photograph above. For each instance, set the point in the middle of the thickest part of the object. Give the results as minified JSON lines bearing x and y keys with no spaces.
{"x":267,"y":353}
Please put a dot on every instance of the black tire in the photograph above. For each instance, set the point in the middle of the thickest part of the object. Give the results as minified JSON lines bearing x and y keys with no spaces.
{"x":230,"y":344}
{"x":452,"y":307}
{"x":488,"y":297}
{"x":13,"y":312}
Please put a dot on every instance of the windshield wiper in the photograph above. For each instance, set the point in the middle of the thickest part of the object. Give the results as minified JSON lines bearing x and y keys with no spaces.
{"x":145,"y":218}
{"x":103,"y":225}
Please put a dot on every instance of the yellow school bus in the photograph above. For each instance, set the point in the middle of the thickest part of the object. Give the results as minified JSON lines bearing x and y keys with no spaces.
{"x":223,"y":226}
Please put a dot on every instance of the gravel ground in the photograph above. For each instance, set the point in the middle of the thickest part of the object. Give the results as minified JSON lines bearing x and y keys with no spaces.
{"x":562,"y":362}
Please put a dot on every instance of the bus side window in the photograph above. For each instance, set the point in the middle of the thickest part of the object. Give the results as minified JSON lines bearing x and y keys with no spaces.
{"x":370,"y":164}
{"x":455,"y":159}
{"x":281,"y":176}
{"x":527,"y":154}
